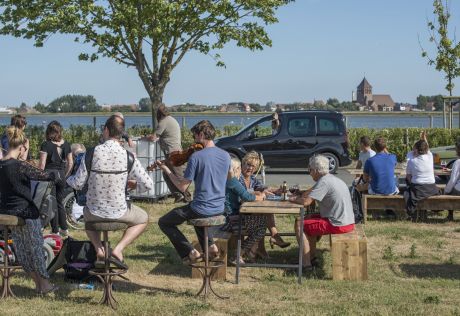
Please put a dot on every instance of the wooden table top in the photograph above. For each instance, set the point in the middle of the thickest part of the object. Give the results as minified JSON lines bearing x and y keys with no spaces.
{"x":270,"y":207}
{"x":401,"y":172}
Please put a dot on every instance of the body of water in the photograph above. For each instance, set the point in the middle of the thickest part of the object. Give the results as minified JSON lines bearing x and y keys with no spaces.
{"x":369,"y":121}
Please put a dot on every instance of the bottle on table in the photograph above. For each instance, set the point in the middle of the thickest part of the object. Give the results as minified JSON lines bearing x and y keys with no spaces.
{"x":284,"y":192}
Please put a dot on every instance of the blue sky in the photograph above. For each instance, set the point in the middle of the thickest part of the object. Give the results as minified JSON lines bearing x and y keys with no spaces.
{"x":321,"y":49}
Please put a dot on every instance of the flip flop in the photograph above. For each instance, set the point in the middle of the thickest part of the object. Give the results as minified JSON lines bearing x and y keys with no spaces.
{"x":187,"y":260}
{"x":118,"y":263}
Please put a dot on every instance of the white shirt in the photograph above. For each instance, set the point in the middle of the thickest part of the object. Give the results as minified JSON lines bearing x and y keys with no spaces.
{"x":364,"y":155}
{"x":106,"y":191}
{"x":421,"y":168}
{"x":454,"y":181}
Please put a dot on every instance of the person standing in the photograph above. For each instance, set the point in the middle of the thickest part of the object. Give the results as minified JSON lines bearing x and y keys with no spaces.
{"x":208,"y":169}
{"x":56,"y":155}
{"x":20,"y":123}
{"x":168,"y":134}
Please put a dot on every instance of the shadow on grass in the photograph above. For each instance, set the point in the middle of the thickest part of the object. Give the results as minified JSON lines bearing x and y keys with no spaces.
{"x":130,"y":287}
{"x":168,"y":262}
{"x":431,"y":271}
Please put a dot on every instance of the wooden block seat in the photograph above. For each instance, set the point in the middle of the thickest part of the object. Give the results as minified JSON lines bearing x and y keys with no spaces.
{"x":349,"y":255}
{"x":8,"y":221}
{"x":105,"y":226}
{"x":107,"y":274}
{"x":207,"y":268}
{"x":397,"y":203}
{"x":207,"y":221}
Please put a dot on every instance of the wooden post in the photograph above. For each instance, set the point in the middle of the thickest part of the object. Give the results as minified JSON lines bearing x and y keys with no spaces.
{"x":444,"y":114}
{"x":183,"y":122}
{"x":346,"y":121}
{"x":94,"y":122}
{"x":431,"y":121}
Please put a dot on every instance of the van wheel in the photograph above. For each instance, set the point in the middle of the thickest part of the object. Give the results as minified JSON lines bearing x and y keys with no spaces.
{"x":333,"y":162}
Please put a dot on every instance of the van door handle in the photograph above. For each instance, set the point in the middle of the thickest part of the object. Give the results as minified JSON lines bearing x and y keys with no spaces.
{"x":276,"y":142}
{"x":290,"y":141}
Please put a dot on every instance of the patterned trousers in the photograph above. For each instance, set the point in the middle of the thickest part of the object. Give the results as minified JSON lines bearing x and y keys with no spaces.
{"x":28,"y":242}
{"x":254,"y":225}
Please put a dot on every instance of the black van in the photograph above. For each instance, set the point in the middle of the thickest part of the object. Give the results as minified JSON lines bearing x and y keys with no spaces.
{"x":301,"y":134}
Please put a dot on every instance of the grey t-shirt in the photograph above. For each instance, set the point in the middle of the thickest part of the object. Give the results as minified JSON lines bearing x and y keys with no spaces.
{"x":168,"y":131}
{"x":334,"y":200}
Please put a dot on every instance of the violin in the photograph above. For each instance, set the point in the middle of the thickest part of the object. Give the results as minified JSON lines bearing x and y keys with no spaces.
{"x":179,"y":157}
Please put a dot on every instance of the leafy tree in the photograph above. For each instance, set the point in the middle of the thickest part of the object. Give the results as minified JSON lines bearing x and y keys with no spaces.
{"x":22,"y":108}
{"x":145,"y":105}
{"x":448,"y":50}
{"x":255,"y":107}
{"x":74,"y":103}
{"x":152,"y":36}
{"x":333,"y":101}
{"x":40,"y":107}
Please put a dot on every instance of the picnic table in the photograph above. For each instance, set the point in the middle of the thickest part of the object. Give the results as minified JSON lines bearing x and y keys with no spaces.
{"x":401,"y":172}
{"x":265,"y":208}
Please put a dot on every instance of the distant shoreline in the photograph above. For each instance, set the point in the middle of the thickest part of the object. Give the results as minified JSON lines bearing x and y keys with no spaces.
{"x":353,"y":113}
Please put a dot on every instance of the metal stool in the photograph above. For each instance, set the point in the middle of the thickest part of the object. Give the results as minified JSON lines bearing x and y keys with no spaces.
{"x":207,"y":268}
{"x":107,"y":273}
{"x":8,"y":221}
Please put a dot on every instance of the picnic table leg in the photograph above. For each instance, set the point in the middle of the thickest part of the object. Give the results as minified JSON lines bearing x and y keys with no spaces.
{"x":364,"y":202}
{"x":238,"y":249}
{"x":302,"y":213}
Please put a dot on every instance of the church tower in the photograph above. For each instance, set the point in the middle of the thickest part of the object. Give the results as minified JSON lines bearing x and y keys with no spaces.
{"x":364,"y":92}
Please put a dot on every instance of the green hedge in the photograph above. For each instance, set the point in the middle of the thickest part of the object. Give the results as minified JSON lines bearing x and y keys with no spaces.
{"x":399,"y":140}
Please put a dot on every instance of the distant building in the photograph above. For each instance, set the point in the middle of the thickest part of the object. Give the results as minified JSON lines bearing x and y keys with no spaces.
{"x":4,"y":110}
{"x":372,"y":102}
{"x":430,"y":106}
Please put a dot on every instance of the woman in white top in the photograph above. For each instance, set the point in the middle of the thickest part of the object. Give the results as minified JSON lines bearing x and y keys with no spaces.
{"x":420,"y":177}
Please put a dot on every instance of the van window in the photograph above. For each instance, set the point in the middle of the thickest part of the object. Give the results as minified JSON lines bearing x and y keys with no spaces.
{"x":262,"y":129}
{"x":328,"y":126}
{"x":301,"y":127}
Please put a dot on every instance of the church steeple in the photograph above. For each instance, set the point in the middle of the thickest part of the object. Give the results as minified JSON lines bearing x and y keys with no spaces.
{"x":364,"y":92}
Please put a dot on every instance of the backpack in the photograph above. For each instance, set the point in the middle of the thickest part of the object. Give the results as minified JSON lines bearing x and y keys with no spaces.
{"x":356,"y":201}
{"x":76,"y":257}
{"x":80,"y":195}
{"x":44,"y":198}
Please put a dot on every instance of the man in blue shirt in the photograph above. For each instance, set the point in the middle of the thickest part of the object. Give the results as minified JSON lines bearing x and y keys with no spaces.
{"x":208,"y":168}
{"x":379,"y":170}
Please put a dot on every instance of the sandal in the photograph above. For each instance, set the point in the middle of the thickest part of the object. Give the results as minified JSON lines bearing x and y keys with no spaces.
{"x":52,"y":289}
{"x":188,"y":261}
{"x":118,"y":263}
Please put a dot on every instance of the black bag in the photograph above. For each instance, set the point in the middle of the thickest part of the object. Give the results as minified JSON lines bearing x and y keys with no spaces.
{"x":44,"y":198}
{"x":356,"y":197}
{"x":80,"y":257}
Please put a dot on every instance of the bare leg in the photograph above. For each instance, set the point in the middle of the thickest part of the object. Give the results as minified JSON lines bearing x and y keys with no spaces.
{"x":36,"y":279}
{"x":271,"y":225}
{"x":41,"y":284}
{"x":95,"y":238}
{"x":306,"y":243}
{"x":128,"y":237}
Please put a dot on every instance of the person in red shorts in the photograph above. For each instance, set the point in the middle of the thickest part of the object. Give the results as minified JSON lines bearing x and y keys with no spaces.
{"x":335,"y":208}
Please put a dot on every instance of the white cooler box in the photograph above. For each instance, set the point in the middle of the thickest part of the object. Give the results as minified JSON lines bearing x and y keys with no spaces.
{"x":147,"y":153}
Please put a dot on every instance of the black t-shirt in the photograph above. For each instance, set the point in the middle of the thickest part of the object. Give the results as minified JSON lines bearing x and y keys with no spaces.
{"x":55,"y":159}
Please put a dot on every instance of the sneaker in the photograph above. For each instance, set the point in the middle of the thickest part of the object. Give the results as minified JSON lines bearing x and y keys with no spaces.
{"x":64,"y":232}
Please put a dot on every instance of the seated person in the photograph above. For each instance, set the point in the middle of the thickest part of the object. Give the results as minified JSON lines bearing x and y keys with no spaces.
{"x":379,"y":171}
{"x":453,"y":186}
{"x":419,"y":177}
{"x":208,"y":168}
{"x":365,"y":151}
{"x":335,"y":208}
{"x":106,"y":196}
{"x":255,"y":225}
{"x":17,"y":200}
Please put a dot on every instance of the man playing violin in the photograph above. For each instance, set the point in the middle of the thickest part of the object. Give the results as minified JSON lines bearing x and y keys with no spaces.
{"x":169,"y":136}
{"x":208,"y":168}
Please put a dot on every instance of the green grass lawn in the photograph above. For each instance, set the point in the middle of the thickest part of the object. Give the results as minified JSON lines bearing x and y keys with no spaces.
{"x":414,"y":268}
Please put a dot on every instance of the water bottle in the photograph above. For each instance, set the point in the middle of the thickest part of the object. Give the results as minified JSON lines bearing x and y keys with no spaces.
{"x":84,"y":286}
{"x":284,"y":194}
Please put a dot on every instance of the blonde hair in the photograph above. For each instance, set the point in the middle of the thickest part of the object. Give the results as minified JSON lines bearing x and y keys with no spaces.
{"x":15,"y":136}
{"x":252,"y":157}
{"x":235,"y":164}
{"x":77,"y":148}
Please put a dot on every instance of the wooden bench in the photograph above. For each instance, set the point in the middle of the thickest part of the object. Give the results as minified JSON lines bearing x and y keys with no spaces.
{"x":349,"y":255}
{"x":397,"y":203}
